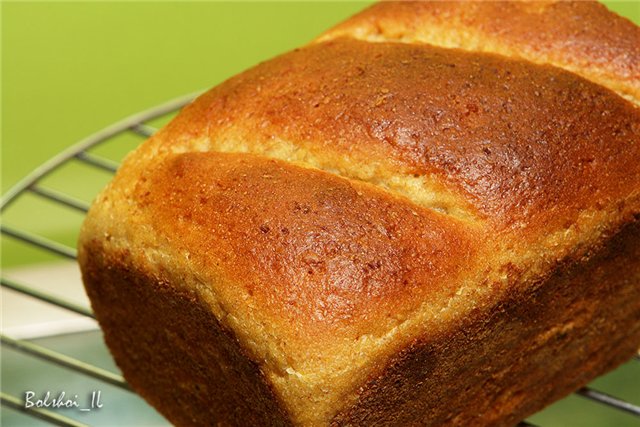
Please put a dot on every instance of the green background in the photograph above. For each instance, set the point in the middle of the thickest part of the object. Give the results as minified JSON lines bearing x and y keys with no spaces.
{"x":72,"y":68}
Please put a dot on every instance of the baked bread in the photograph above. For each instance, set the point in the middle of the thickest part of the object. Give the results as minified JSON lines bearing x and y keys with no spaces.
{"x":430,"y":215}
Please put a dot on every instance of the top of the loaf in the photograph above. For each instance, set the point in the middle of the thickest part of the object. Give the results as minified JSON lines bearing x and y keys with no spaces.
{"x":471,"y":135}
{"x":583,"y":37}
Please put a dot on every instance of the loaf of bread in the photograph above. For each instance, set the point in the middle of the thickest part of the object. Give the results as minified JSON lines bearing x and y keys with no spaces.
{"x":430,"y":215}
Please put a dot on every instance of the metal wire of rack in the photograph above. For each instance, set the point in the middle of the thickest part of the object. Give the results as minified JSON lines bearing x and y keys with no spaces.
{"x":81,"y":152}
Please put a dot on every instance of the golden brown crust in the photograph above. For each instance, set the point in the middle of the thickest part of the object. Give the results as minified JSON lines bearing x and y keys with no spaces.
{"x":534,"y":347}
{"x":580,"y":36}
{"x":341,"y":215}
{"x":310,"y":249}
{"x":520,"y":142}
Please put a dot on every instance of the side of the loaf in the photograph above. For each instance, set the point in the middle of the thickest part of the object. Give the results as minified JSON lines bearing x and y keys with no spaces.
{"x":534,"y":347}
{"x":171,"y":347}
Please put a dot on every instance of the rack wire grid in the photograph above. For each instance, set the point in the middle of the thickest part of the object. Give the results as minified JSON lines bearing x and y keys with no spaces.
{"x":139,"y":126}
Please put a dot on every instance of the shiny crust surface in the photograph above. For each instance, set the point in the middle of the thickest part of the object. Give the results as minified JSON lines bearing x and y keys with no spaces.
{"x":357,"y":203}
{"x":318,"y":254}
{"x":520,"y":142}
{"x":581,"y":36}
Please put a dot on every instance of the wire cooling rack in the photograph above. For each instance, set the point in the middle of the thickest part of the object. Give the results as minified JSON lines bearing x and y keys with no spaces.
{"x":82,"y":152}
